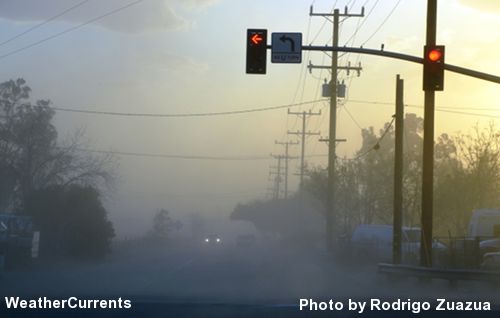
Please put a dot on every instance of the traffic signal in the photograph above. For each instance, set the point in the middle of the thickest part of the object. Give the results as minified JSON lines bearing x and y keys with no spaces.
{"x":434,"y":68}
{"x":256,"y":51}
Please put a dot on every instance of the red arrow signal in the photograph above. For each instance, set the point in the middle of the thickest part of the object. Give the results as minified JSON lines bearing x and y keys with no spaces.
{"x":256,"y":51}
{"x":256,"y":38}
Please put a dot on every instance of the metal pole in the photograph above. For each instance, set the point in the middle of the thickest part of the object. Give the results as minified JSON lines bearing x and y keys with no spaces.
{"x":400,"y":56}
{"x":428,"y":151}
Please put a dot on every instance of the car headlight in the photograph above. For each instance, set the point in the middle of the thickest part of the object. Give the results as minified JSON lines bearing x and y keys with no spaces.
{"x":207,"y":240}
{"x":218,"y":240}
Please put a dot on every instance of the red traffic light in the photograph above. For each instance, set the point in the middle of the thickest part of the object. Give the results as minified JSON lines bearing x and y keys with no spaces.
{"x":434,"y":55}
{"x":256,"y":51}
{"x":434,"y":68}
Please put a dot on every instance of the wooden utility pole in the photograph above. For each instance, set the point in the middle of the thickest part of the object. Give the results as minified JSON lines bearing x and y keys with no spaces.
{"x":287,"y":157}
{"x":332,"y":157}
{"x":277,"y":177}
{"x":398,"y":172}
{"x":303,"y":135}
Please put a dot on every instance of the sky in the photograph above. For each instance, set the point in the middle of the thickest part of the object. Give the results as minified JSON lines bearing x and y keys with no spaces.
{"x":188,"y":56}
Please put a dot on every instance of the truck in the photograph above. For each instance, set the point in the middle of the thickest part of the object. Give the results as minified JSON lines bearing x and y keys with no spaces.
{"x":484,"y":227}
{"x":485,"y":223}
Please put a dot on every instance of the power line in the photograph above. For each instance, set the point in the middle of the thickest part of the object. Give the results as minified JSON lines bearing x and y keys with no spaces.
{"x":194,"y":195}
{"x":70,"y":29}
{"x":362,"y":22}
{"x":352,"y":118}
{"x":230,"y":112}
{"x":444,"y":109}
{"x":44,"y":22}
{"x":376,"y":146}
{"x":463,"y":113}
{"x":383,"y":22}
{"x":184,"y":157}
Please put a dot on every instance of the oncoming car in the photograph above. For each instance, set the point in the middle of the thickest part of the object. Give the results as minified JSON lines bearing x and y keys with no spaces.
{"x":213,"y":240}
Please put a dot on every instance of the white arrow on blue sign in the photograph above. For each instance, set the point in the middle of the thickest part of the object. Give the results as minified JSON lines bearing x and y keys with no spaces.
{"x":286,"y":47}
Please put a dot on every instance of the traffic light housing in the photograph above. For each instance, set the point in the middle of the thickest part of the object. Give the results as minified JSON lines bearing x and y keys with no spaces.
{"x":256,"y":51}
{"x":433,"y":68}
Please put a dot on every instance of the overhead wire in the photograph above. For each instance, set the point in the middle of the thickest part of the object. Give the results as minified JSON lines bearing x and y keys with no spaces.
{"x":383,"y":22}
{"x":170,"y":156}
{"x":71,"y":29}
{"x":444,"y":109}
{"x":52,"y":18}
{"x":182,"y":157}
{"x":171,"y":115}
{"x":377,"y":144}
{"x":363,"y":21}
{"x":448,"y":109}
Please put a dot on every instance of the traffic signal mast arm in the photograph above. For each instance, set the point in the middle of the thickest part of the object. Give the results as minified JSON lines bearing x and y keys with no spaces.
{"x":400,"y":56}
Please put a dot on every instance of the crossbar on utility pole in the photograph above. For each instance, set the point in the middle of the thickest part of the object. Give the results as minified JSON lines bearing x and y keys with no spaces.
{"x":347,"y":68}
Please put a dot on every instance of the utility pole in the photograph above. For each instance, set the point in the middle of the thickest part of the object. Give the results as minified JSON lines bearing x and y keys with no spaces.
{"x":303,"y":133}
{"x":428,"y":151}
{"x":277,"y":178}
{"x":333,"y":121}
{"x":398,"y":172}
{"x":287,"y":157}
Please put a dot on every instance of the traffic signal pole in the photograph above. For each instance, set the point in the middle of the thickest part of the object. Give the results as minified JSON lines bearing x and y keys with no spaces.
{"x":428,"y":151}
{"x":405,"y":57}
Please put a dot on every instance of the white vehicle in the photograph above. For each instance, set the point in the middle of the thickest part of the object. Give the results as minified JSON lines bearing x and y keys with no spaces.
{"x":491,"y":261}
{"x":375,"y":240}
{"x":485,"y":223}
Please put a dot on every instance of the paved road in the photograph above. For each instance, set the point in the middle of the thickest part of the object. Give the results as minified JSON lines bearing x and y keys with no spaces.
{"x":190,"y":278}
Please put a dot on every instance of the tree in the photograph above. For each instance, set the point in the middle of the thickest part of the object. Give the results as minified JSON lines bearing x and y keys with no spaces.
{"x":296,"y":218}
{"x":72,"y":221}
{"x":55,"y":182}
{"x":467,"y":178}
{"x":163,"y":225}
{"x":31,"y":158}
{"x":364,"y":185}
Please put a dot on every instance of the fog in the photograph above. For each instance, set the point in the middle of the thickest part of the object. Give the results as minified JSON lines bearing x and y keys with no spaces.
{"x":191,"y":203}
{"x":266,"y":273}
